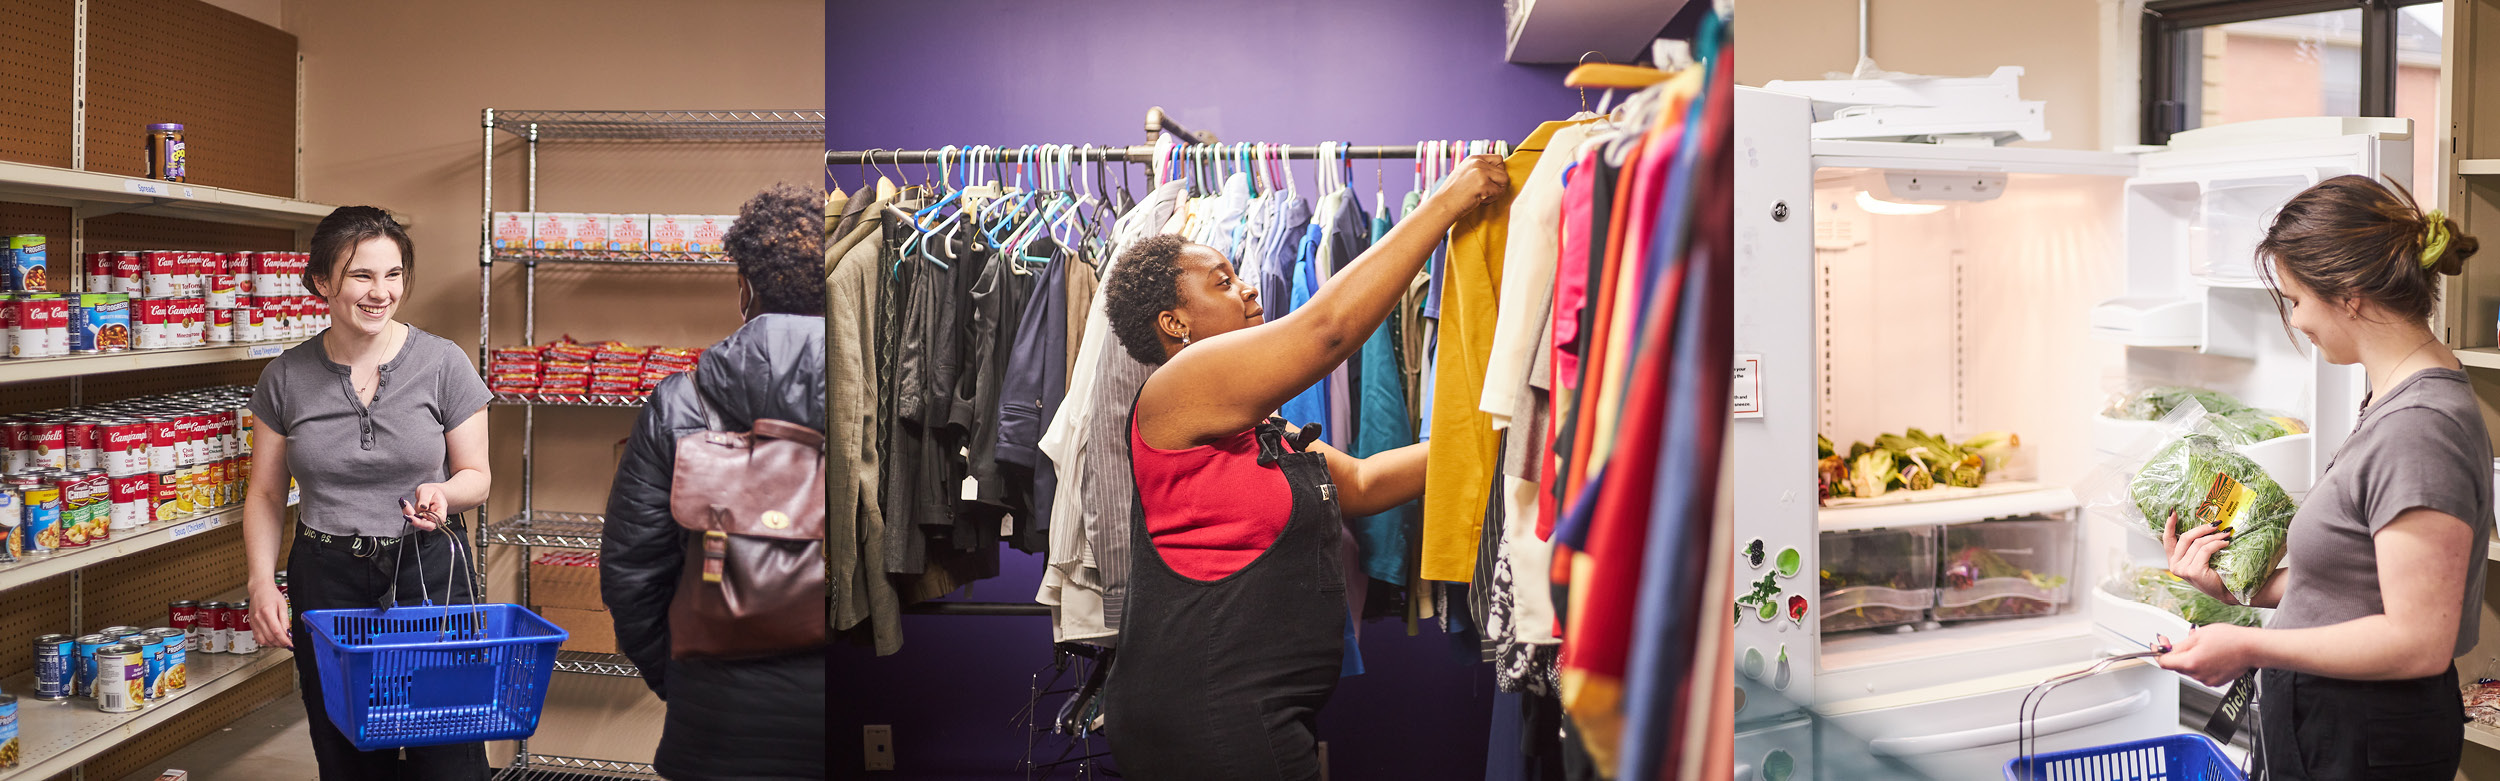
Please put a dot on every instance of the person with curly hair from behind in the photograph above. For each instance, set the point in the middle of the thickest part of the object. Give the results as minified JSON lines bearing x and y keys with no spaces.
{"x":747,"y":719}
{"x":1231,"y":641}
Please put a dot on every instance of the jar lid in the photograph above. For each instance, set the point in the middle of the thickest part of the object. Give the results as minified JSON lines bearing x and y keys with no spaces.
{"x":166,"y":126}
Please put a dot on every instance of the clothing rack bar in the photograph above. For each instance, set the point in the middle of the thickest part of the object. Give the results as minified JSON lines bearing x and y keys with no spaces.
{"x":1109,"y":154}
{"x":978,"y":609}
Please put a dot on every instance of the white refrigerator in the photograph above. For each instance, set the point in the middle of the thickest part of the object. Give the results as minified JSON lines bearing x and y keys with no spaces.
{"x":1963,"y":289}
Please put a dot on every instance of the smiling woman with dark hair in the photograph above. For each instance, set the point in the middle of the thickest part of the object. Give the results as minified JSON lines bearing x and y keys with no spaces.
{"x":366,"y":415}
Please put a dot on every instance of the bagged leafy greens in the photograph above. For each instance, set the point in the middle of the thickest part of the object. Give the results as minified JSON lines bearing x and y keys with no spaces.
{"x":2163,"y":590}
{"x":2206,"y":481}
{"x":2157,"y":403}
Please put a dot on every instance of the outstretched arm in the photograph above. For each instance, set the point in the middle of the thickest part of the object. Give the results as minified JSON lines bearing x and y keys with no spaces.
{"x":1232,"y":381}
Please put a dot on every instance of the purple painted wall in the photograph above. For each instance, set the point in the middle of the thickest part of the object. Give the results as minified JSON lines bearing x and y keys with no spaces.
{"x":1012,"y":72}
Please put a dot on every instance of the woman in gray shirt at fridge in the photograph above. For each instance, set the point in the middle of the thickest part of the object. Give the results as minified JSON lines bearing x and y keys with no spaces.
{"x":365,"y":416}
{"x":2382,"y":578}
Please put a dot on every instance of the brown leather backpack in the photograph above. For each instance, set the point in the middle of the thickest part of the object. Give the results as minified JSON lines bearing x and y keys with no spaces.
{"x":754,"y":579}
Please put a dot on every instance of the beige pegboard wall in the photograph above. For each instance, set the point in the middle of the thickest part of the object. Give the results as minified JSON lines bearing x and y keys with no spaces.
{"x":134,"y":590}
{"x":228,"y":80}
{"x":147,"y":750}
{"x":27,"y":612}
{"x":36,"y":80}
{"x":123,"y":232}
{"x":101,"y":388}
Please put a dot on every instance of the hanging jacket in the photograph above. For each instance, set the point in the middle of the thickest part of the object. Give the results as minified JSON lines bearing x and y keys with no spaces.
{"x":756,"y":719}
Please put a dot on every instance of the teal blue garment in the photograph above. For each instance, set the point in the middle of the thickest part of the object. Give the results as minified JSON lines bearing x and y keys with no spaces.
{"x":1311,"y":405}
{"x":1385,"y":542}
{"x":1353,"y":664}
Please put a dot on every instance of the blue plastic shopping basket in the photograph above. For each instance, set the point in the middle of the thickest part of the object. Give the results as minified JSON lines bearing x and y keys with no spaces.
{"x":432,"y":675}
{"x":2172,"y":758}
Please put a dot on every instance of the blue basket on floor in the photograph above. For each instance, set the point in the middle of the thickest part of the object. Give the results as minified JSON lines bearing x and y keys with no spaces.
{"x":2173,"y":758}
{"x":429,"y":676}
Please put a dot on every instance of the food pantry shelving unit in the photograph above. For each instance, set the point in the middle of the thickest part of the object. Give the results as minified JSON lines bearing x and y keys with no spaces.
{"x":2468,"y":188}
{"x":532,"y":527}
{"x":63,"y":736}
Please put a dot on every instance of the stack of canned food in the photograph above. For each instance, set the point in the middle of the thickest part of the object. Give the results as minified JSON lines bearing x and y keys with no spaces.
{"x":80,"y":477}
{"x":160,"y":299}
{"x":125,"y":668}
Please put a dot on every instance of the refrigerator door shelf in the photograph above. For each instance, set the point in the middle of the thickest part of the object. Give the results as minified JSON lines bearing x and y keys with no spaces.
{"x":1945,"y":505}
{"x":2150,"y":321}
{"x":2139,"y":623}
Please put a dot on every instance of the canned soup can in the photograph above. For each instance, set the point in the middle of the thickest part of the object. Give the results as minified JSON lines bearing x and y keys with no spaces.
{"x":212,"y":627}
{"x":177,"y":660}
{"x":56,"y":673}
{"x":121,"y":679}
{"x":87,"y":646}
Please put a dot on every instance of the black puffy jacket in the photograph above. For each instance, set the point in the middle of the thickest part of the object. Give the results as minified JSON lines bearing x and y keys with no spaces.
{"x":761,"y":719}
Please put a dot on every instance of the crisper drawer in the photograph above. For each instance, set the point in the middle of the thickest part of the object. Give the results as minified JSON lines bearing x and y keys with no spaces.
{"x":1967,"y":730}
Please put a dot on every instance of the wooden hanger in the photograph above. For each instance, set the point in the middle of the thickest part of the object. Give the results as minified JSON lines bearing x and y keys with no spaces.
{"x":1606,"y":75}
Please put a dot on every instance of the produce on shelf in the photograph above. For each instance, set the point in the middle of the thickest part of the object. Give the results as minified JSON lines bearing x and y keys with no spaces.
{"x":1911,"y":461}
{"x":2163,"y":590}
{"x":1967,"y":566}
{"x":2232,"y":421}
{"x":2205,"y":480}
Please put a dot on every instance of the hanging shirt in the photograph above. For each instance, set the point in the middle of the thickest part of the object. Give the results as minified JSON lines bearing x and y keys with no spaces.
{"x":1528,"y":259}
{"x":1311,"y":405}
{"x":1458,"y":480}
{"x":1071,"y":584}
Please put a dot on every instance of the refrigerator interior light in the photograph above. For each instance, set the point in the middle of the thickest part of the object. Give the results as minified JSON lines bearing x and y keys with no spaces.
{"x":1873,"y":205}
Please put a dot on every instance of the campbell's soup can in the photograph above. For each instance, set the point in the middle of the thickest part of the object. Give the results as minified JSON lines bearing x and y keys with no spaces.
{"x":97,"y":271}
{"x":168,"y":499}
{"x":220,"y":326}
{"x":160,"y":274}
{"x":211,"y":627}
{"x":239,"y":639}
{"x":130,"y":273}
{"x":238,"y":266}
{"x":186,"y":440}
{"x":80,"y":450}
{"x":194,"y":274}
{"x":125,"y":443}
{"x":252,"y":325}
{"x":164,"y":433}
{"x":86,"y":508}
{"x":229,"y":438}
{"x":158,"y":321}
{"x":55,"y":325}
{"x":49,"y":438}
{"x":134,"y":500}
{"x":184,"y":614}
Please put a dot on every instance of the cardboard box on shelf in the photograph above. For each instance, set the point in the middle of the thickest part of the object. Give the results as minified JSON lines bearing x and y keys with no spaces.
{"x":512,"y":229}
{"x":591,"y":630}
{"x":629,"y":232}
{"x":566,"y":579}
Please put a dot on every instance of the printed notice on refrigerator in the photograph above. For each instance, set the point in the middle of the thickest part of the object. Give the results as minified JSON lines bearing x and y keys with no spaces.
{"x":1745,"y":391}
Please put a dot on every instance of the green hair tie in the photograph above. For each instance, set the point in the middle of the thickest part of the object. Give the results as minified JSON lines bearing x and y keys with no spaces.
{"x":2434,"y":237}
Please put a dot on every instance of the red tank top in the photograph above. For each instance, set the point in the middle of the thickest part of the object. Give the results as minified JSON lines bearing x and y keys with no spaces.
{"x":1211,"y":509}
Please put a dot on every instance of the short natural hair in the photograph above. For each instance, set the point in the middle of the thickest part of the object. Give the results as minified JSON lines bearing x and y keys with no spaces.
{"x":337,"y":237}
{"x":1145,"y":282}
{"x":779,"y":244}
{"x":2351,"y":237}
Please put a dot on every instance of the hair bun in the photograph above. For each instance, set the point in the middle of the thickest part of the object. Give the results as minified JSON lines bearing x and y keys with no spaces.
{"x":2451,"y":261}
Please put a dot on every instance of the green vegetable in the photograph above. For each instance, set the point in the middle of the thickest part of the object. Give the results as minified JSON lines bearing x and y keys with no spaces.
{"x":2166,"y":591}
{"x":2248,"y":426}
{"x":1993,"y":448}
{"x":2156,"y":403}
{"x":1822,"y":446}
{"x":1872,"y":472}
{"x":2178,"y":478}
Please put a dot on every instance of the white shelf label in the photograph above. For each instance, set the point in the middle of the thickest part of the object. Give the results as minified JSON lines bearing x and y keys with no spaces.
{"x":157,"y":188}
{"x":198,"y":526}
{"x":1745,"y":391}
{"x":264,"y":350}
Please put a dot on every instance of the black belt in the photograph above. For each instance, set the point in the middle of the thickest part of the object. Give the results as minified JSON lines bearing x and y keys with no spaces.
{"x":359,"y":545}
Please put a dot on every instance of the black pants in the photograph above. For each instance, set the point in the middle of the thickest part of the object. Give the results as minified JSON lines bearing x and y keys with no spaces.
{"x":320,"y":577}
{"x":2333,"y":729}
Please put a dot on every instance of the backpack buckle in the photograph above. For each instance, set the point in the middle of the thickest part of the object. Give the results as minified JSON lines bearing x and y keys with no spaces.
{"x":715,"y":554}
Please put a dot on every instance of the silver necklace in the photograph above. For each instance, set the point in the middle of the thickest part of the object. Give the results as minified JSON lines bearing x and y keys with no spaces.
{"x":2377,"y":388}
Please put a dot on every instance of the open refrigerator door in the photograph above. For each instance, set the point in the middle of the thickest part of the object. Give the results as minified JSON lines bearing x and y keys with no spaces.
{"x":1986,"y":296}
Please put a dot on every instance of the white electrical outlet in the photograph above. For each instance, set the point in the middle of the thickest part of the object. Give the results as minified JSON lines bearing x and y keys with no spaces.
{"x":877,"y":741}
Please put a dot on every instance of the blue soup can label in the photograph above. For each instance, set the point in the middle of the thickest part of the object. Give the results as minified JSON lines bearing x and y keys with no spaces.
{"x":56,"y":657}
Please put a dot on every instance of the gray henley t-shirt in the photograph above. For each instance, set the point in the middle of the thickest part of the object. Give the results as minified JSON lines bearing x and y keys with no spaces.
{"x":352,"y":463}
{"x":2420,"y":444}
